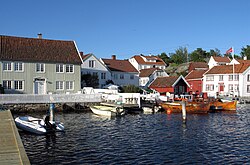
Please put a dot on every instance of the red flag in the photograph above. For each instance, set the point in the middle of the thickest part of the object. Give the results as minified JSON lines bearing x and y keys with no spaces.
{"x":229,"y":51}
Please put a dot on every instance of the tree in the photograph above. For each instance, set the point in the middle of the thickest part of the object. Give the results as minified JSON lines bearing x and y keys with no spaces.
{"x":131,"y":89}
{"x":214,"y":52}
{"x":180,"y":56}
{"x":245,"y":52}
{"x":90,"y":80}
{"x":165,"y":57}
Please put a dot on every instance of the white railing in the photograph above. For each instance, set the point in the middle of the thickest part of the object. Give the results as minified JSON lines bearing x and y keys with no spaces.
{"x":48,"y":98}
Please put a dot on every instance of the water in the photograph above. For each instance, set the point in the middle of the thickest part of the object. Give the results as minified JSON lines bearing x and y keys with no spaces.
{"x":215,"y":138}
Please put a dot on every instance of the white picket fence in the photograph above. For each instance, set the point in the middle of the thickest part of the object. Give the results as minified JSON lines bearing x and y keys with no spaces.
{"x":49,"y":98}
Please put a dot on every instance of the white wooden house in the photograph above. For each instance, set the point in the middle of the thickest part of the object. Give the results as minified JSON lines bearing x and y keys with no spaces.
{"x":228,"y":80}
{"x":215,"y":61}
{"x":146,"y":76}
{"x":122,"y":71}
{"x":92,"y":65}
{"x":145,"y":62}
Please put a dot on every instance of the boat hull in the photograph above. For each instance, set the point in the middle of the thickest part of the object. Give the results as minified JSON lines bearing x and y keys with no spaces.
{"x":227,"y":106}
{"x":103,"y":110}
{"x":191,"y":107}
{"x":36,"y":125}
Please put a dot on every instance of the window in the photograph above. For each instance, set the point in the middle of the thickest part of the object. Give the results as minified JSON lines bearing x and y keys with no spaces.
{"x":209,"y":87}
{"x":69,"y":68}
{"x":18,"y":66}
{"x":131,"y":76}
{"x":236,"y":77}
{"x":59,"y":68}
{"x":18,"y":85}
{"x":248,"y":89}
{"x":230,"y":87}
{"x":115,"y":76}
{"x":121,"y":76}
{"x":6,"y":66}
{"x":236,"y":87}
{"x":210,"y":78}
{"x":248,"y":77}
{"x":59,"y":85}
{"x":7,"y":84}
{"x":230,"y":78}
{"x":40,"y":67}
{"x":69,"y":85}
{"x":95,"y":74}
{"x":91,"y":63}
{"x":220,"y":77}
{"x":103,"y":75}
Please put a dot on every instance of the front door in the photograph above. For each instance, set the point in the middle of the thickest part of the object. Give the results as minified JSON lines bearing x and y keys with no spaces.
{"x":221,"y":87}
{"x":39,"y":86}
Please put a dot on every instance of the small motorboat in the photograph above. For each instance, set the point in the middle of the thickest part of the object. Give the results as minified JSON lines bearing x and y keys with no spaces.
{"x":38,"y":126}
{"x":110,"y":111}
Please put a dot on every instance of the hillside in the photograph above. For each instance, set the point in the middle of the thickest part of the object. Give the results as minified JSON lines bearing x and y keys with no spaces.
{"x":175,"y":70}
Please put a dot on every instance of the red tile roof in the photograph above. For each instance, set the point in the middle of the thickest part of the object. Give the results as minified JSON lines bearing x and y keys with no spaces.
{"x":119,"y":65}
{"x":228,"y":69}
{"x":197,"y":65}
{"x":243,"y":61}
{"x":222,"y":59}
{"x":38,"y":50}
{"x":147,"y":72}
{"x":195,"y":74}
{"x":141,"y":61}
{"x":163,"y":82}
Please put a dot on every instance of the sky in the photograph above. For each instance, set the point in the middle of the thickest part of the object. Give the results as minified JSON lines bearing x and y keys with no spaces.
{"x":130,"y":27}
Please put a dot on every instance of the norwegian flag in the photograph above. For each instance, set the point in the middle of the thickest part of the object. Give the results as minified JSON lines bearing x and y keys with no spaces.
{"x":229,"y":51}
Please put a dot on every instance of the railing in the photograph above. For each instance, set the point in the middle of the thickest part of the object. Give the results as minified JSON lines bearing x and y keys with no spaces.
{"x":48,"y":98}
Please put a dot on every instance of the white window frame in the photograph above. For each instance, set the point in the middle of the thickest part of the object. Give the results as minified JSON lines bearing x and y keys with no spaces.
{"x":40,"y":67}
{"x":121,"y":76}
{"x":132,"y":77}
{"x":221,"y":77}
{"x":210,"y":78}
{"x":7,"y":84}
{"x":59,"y":85}
{"x":248,"y":88}
{"x":69,"y":85}
{"x":91,"y":63}
{"x":230,"y":77}
{"x":69,"y":68}
{"x":18,"y":67}
{"x":59,"y":68}
{"x":7,"y":66}
{"x":19,"y":85}
{"x":103,"y":76}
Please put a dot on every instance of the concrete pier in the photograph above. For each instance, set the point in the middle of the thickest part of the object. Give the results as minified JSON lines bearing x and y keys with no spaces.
{"x":11,"y":147}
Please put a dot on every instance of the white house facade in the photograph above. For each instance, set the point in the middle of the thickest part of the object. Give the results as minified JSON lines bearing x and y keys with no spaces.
{"x":92,"y":65}
{"x":145,"y":62}
{"x":228,"y":80}
{"x":216,"y":61}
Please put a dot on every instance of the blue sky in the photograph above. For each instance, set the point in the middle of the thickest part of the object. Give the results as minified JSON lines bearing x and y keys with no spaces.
{"x":129,"y":27}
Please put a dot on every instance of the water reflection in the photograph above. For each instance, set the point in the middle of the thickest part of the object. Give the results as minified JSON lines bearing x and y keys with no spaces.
{"x":216,"y":138}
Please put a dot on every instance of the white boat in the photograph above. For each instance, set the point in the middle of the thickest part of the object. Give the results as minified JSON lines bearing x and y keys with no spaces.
{"x":37,"y":126}
{"x":110,"y":111}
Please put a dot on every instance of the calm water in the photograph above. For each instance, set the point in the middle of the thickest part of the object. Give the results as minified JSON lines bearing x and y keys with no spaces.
{"x":216,"y":138}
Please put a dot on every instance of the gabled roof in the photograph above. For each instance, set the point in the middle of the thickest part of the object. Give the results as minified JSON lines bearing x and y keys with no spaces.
{"x":221,"y":59}
{"x":119,"y":65}
{"x":86,"y":56}
{"x":243,"y":61}
{"x":147,"y":72}
{"x":38,"y":50}
{"x":141,"y":61}
{"x":228,"y":69}
{"x":164,"y":82}
{"x":195,"y":74}
{"x":197,"y":65}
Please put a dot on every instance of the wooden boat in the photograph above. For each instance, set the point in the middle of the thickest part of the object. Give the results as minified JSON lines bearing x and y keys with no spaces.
{"x":110,"y":111}
{"x":37,"y":126}
{"x":191,"y":107}
{"x":227,"y":106}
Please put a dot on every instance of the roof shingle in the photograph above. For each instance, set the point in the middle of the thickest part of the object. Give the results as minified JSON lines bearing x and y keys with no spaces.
{"x":119,"y":65}
{"x":228,"y":69}
{"x":38,"y":50}
{"x":163,"y":82}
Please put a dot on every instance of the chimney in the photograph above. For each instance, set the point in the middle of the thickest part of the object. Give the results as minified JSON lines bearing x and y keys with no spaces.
{"x":39,"y":35}
{"x":81,"y":53}
{"x":245,"y":57}
{"x":113,"y":57}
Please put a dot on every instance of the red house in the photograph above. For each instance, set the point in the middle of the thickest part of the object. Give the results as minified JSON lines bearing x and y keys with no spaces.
{"x":172,"y":84}
{"x":194,"y":78}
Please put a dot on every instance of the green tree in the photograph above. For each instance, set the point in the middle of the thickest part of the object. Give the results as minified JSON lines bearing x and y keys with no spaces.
{"x":131,"y":89}
{"x":165,"y":58}
{"x":214,"y":52}
{"x":245,"y":52}
{"x":180,"y":56}
{"x":199,"y":55}
{"x":90,"y":80}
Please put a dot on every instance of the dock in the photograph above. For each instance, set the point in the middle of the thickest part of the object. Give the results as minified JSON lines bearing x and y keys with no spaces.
{"x":11,"y":147}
